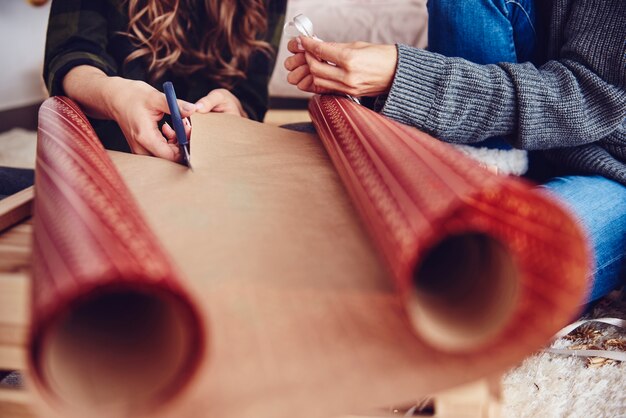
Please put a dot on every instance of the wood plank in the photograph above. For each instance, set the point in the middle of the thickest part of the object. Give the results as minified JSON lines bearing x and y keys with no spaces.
{"x":16,"y":208}
{"x":473,"y":400}
{"x":15,"y":248}
{"x":15,"y":403}
{"x":282,"y":117}
{"x":12,"y":357}
{"x":14,"y":311}
{"x":482,"y":398}
{"x":14,"y":291}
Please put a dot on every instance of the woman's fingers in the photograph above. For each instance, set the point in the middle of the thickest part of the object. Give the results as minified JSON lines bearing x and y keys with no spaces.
{"x":170,"y":134}
{"x":159,"y":148}
{"x":138,"y":117}
{"x":298,"y":75}
{"x":295,"y":61}
{"x":325,"y":70}
{"x":357,"y":69}
{"x":319,"y":77}
{"x":186,"y":109}
{"x":305,"y":69}
{"x":295,"y":45}
{"x":309,"y":85}
{"x":136,"y":148}
{"x":222,"y":101}
{"x":150,"y":138}
{"x":187,"y":125}
{"x":155,"y":145}
{"x":160,"y":103}
{"x":322,"y":85}
{"x":327,"y":51}
{"x":306,"y":84}
{"x":210,"y":101}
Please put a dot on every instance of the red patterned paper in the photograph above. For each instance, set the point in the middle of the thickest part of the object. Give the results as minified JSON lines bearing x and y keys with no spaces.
{"x":412,"y":191}
{"x":89,"y":235}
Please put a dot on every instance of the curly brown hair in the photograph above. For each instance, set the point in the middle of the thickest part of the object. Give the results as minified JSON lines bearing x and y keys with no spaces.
{"x":185,"y":36}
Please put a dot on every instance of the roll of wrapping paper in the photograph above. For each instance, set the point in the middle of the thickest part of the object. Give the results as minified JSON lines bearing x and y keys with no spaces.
{"x":112,"y":328}
{"x":477,"y":258}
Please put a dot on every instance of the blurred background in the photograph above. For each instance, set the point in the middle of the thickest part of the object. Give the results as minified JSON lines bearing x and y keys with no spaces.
{"x":23,"y":30}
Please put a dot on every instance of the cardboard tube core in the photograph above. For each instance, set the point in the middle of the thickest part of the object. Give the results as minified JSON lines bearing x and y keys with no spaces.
{"x":119,"y":351}
{"x":464,"y":291}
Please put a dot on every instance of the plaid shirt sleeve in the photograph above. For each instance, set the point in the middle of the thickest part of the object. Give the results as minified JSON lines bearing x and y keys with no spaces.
{"x":253,"y":91}
{"x":77,"y":35}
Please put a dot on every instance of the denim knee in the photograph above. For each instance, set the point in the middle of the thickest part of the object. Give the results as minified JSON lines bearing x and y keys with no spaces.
{"x":505,"y":7}
{"x":483,"y":31}
{"x":599,"y":205}
{"x":444,"y":6}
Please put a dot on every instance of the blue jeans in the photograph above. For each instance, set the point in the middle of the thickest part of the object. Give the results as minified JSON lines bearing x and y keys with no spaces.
{"x":492,"y":31}
{"x":484,"y":32}
{"x":599,"y":204}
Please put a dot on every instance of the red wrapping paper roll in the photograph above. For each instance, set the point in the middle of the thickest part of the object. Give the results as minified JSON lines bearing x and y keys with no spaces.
{"x":112,"y":327}
{"x":480,"y":260}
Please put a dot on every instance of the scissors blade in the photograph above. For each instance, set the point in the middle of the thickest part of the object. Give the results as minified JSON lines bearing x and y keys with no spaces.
{"x":186,"y":157}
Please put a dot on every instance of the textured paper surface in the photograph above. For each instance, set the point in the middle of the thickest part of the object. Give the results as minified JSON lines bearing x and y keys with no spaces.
{"x":302,"y":317}
{"x":90,"y":240}
{"x":295,"y":294}
{"x":414,"y":192}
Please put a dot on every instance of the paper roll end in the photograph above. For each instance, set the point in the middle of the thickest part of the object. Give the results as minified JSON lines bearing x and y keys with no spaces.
{"x":120,"y":351}
{"x":464,"y":292}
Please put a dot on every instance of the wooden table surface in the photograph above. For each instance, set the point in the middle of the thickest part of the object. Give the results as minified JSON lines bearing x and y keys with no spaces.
{"x":15,"y":251}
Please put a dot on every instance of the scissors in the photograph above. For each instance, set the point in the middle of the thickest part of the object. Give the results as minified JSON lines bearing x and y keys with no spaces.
{"x":177,"y":121}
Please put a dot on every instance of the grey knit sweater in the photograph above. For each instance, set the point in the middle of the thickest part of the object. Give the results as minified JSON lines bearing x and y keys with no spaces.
{"x":573,"y":105}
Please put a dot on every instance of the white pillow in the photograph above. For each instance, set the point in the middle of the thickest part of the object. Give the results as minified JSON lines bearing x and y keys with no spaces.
{"x":377,"y":21}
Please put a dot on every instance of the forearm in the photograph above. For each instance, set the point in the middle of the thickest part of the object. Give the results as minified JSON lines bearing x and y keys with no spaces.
{"x":93,"y":90}
{"x":561,"y":104}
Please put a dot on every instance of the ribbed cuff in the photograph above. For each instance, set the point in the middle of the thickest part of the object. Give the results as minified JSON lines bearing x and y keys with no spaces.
{"x":589,"y":158}
{"x":415,"y":87}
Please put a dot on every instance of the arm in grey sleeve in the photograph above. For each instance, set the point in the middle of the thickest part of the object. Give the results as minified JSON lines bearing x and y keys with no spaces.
{"x":578,"y":99}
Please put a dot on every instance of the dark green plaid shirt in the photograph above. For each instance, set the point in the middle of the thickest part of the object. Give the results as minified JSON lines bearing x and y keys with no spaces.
{"x":87,"y":32}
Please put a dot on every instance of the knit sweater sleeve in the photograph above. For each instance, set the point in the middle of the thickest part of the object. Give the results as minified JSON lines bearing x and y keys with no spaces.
{"x":578,"y":98}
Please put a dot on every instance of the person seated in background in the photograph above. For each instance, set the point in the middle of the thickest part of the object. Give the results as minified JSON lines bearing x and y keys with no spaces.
{"x":547,"y":76}
{"x":112,"y":57}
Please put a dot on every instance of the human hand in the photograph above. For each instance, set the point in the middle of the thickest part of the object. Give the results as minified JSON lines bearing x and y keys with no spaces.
{"x":138,"y":107}
{"x":221,"y":101}
{"x":170,"y":133}
{"x":361,"y":69}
